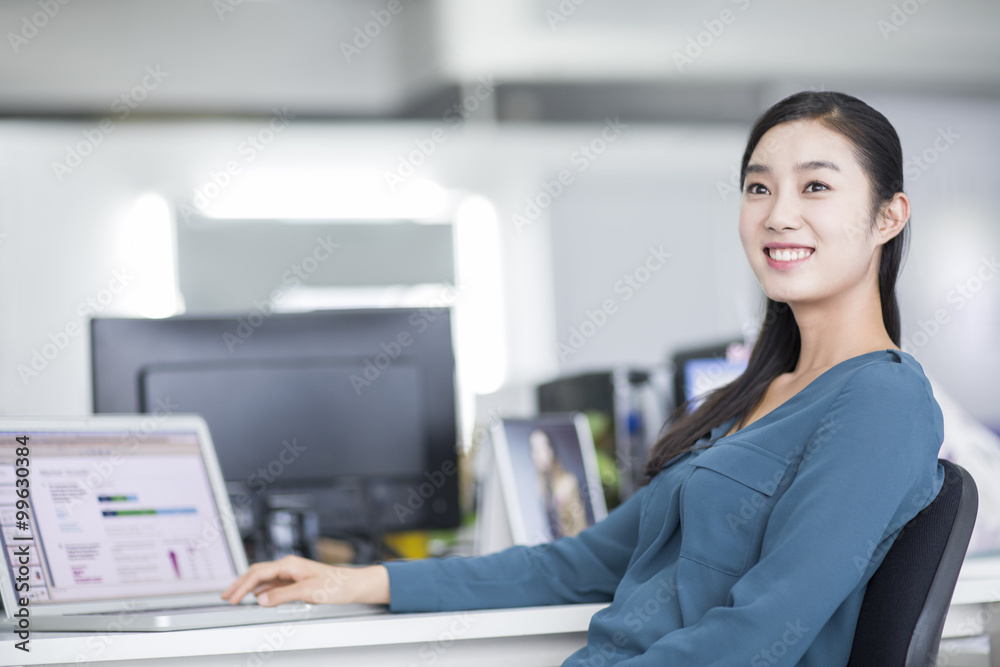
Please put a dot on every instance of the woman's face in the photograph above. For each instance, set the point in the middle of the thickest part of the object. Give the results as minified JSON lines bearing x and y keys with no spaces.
{"x":541,"y":451}
{"x":806,"y":194}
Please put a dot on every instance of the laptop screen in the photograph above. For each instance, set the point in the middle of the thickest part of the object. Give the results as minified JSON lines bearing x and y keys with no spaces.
{"x":113,"y":515}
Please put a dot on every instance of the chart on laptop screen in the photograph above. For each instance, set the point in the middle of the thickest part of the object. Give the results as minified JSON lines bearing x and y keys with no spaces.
{"x":114,"y":518}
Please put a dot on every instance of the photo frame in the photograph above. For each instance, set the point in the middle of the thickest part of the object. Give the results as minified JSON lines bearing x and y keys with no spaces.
{"x":546,"y":470}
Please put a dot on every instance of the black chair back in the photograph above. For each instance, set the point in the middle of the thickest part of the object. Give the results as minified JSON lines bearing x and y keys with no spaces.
{"x":903,"y":611}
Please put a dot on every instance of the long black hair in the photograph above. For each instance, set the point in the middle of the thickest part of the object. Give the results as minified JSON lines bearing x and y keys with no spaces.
{"x":776,"y":351}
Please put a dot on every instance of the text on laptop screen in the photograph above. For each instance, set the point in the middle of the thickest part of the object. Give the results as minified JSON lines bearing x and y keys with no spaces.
{"x":115,"y":517}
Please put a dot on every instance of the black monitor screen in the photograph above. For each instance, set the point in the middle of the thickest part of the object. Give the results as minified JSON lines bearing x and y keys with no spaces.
{"x":301,"y":418}
{"x":337,"y":404}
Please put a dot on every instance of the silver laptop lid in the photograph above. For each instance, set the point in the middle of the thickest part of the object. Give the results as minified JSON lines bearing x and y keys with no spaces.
{"x":122,"y":512}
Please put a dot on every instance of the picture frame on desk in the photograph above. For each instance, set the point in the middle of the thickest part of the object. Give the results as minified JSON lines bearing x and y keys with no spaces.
{"x":541,"y":481}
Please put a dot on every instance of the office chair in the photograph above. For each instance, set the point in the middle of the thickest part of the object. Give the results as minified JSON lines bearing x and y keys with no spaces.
{"x":903,"y":611}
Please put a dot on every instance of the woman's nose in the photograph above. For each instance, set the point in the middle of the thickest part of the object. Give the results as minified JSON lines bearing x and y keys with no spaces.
{"x":785,"y":214}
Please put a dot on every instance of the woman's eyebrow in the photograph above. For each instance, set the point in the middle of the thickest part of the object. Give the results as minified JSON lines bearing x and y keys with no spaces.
{"x":816,"y":164}
{"x":801,"y":166}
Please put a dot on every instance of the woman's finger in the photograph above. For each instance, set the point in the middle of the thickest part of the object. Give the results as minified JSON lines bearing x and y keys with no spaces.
{"x":280,"y":594}
{"x":268,"y":585}
{"x":257,"y":574}
{"x":240,"y":580}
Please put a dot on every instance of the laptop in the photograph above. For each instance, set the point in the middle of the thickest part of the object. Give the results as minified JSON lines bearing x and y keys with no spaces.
{"x":123,"y":522}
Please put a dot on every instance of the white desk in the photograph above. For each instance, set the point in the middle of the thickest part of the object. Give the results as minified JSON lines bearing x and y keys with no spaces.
{"x":975,"y":610}
{"x":526,"y":637}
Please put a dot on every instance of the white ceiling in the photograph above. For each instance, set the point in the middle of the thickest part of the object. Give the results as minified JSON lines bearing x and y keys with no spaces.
{"x":953,"y":41}
{"x":258,"y":55}
{"x":288,"y":53}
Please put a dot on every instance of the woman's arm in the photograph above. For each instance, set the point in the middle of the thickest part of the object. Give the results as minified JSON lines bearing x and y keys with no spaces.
{"x":583,"y":568}
{"x":296,"y":578}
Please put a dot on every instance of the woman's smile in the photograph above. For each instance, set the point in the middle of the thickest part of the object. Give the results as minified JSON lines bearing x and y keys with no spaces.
{"x":784,"y":259}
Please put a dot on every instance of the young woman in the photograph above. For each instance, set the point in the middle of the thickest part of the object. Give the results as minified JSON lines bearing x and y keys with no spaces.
{"x":766,"y":511}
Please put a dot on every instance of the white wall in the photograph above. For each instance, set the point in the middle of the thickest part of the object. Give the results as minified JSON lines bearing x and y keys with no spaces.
{"x":955,"y":197}
{"x":653,"y":186}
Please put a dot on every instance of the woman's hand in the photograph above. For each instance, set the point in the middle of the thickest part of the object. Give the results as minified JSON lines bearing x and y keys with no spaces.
{"x":297,"y":578}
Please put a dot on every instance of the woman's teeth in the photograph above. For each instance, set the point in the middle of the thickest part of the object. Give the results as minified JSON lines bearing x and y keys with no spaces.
{"x":789,"y":255}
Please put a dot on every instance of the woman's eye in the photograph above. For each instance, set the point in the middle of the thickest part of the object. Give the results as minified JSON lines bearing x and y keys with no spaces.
{"x":816,"y":186}
{"x":756,"y":189}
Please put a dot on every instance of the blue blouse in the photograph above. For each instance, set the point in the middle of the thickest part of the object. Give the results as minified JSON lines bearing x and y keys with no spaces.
{"x":753,"y":551}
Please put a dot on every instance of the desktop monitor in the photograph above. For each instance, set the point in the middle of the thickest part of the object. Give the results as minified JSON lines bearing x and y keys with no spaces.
{"x":354,"y":408}
{"x":699,"y":371}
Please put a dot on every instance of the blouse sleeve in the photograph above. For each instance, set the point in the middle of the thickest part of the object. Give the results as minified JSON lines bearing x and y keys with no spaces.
{"x":870,"y":466}
{"x":584,"y":568}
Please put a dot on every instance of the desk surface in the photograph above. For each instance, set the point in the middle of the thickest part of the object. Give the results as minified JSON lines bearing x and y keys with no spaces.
{"x":523,"y":637}
{"x":544,"y":635}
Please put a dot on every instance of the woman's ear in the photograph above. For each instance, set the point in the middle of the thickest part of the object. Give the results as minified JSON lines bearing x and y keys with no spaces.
{"x":893,"y":217}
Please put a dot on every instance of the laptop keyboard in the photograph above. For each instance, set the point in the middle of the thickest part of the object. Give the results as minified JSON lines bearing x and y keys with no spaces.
{"x":289,"y":607}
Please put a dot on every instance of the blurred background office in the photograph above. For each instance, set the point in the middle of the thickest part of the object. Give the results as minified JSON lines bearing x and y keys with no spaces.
{"x":562,"y":173}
